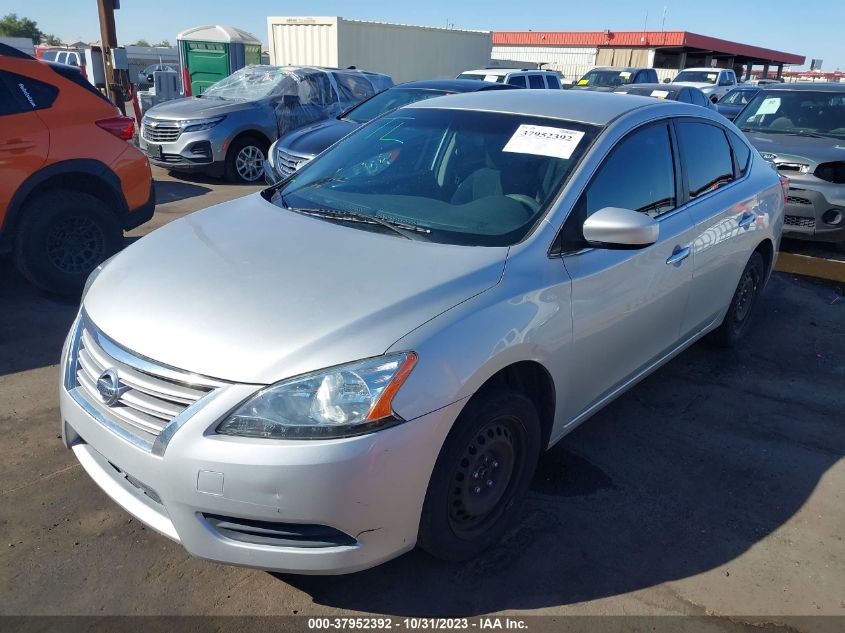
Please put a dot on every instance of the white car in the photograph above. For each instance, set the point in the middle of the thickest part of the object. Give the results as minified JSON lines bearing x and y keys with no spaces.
{"x":713,"y":82}
{"x":539,"y":79}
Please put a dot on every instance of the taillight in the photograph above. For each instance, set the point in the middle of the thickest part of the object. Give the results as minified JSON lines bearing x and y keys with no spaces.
{"x":122,"y":127}
{"x":784,"y":184}
{"x":186,"y":81}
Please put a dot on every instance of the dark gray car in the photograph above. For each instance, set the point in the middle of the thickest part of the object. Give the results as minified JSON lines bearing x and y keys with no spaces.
{"x":228,"y":129}
{"x":732,"y":103}
{"x":684,"y":94}
{"x":295,"y":149}
{"x":608,"y":78}
{"x":801,"y":129}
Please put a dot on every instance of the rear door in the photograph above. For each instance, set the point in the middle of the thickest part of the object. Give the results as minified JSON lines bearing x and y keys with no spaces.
{"x":535,"y":80}
{"x":723,"y":207}
{"x":628,"y":305}
{"x":24,"y":139}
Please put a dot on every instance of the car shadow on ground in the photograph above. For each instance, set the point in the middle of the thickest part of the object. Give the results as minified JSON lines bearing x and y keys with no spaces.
{"x":684,"y":473}
{"x":174,"y":190}
{"x":202,"y":178}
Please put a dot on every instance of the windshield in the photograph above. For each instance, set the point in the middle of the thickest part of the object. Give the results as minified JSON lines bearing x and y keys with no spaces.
{"x":255,"y":82}
{"x":698,"y":76}
{"x":459,"y":177}
{"x":738,"y":97}
{"x":387,"y":101}
{"x":606,"y":78}
{"x":800,"y":112}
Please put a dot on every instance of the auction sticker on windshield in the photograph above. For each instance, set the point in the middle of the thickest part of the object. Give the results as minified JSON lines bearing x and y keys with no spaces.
{"x":544,"y":141}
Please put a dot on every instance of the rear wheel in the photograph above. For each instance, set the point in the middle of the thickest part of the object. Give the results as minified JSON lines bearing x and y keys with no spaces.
{"x":62,"y":237}
{"x":482,"y":474}
{"x":245,"y":160}
{"x":741,"y":310}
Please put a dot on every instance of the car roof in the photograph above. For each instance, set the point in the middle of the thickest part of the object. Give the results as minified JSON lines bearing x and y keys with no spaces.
{"x":825,"y":86}
{"x":653,"y":86}
{"x":503,"y":71}
{"x":584,"y":106}
{"x":705,"y":69}
{"x":619,"y":68}
{"x":454,"y":85}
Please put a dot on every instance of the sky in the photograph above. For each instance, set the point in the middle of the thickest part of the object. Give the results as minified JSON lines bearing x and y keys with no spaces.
{"x":812,"y":28}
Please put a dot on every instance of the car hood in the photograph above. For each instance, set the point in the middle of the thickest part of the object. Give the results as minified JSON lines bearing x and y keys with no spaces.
{"x":196,"y":108}
{"x":248,"y":292}
{"x":313,"y":139}
{"x":788,"y":148}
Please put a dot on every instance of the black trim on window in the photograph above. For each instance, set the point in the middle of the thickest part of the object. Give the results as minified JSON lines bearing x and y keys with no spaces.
{"x":74,"y":74}
{"x":11,"y":51}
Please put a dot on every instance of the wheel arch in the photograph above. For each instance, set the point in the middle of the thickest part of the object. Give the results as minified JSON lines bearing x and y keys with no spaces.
{"x":767,"y":249}
{"x":85,"y":175}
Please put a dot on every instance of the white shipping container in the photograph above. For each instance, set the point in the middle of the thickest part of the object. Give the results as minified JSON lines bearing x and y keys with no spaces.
{"x":404,"y":52}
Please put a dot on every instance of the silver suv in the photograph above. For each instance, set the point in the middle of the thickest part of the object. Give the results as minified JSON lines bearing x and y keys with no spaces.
{"x":227,"y":130}
{"x":373,"y":353}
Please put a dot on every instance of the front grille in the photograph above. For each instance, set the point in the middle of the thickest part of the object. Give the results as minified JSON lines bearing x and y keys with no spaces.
{"x":794,"y":220}
{"x":157,"y":131}
{"x":798,"y":200}
{"x":288,"y":162}
{"x":150,"y":397}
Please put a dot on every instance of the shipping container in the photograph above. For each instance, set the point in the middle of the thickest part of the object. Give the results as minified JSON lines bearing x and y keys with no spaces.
{"x":404,"y":52}
{"x":210,"y":53}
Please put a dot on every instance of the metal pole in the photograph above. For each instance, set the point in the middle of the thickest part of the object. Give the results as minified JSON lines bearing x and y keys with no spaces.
{"x":108,"y":41}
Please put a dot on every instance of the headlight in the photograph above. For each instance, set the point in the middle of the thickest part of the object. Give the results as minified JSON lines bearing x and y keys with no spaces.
{"x":342,"y":401}
{"x":197,"y":125}
{"x":93,"y":276}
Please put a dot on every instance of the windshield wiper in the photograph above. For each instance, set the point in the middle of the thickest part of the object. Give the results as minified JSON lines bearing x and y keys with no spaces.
{"x":408,"y":231}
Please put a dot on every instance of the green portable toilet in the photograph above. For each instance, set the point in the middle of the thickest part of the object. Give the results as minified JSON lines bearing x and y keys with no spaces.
{"x":210,"y":53}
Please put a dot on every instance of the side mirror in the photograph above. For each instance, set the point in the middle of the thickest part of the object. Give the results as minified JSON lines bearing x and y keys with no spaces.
{"x":667,"y":81}
{"x":623,"y":228}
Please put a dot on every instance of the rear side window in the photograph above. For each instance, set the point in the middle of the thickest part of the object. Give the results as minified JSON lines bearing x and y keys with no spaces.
{"x":552,"y":81}
{"x":535,"y":81}
{"x":638,"y":175}
{"x":517,"y":80}
{"x":353,"y":87}
{"x":707,"y":156}
{"x":33,"y":94}
{"x":742,"y":154}
{"x":684,"y":96}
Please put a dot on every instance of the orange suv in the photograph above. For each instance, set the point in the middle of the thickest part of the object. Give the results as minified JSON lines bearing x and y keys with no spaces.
{"x":70,"y":184}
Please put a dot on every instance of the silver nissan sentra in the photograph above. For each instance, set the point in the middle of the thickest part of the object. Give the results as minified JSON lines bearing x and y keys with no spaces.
{"x":373,"y":353}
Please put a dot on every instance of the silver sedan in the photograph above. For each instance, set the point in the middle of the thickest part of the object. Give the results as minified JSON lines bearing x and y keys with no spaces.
{"x":373,"y":353}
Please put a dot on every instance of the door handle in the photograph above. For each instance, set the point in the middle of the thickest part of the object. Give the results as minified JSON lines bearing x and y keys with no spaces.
{"x":747,"y":219}
{"x":678,"y":255}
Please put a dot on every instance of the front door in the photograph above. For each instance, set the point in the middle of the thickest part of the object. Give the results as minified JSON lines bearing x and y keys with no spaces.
{"x":628,"y":305}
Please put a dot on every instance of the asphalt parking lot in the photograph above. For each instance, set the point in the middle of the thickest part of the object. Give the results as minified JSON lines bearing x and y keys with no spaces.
{"x":716,"y":486}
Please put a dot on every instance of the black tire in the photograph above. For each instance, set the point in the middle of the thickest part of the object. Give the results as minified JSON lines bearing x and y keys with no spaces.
{"x":481,"y":475}
{"x":741,"y":311}
{"x":62,"y":236}
{"x":251,"y":173}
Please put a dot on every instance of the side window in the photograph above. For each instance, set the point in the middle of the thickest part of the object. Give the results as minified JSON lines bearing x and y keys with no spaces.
{"x":517,"y":80}
{"x":552,"y":81}
{"x":9,"y":103}
{"x":638,"y":175}
{"x":353,"y":88}
{"x":742,"y":155}
{"x":31,"y":92}
{"x":707,"y":156}
{"x":685,"y":96}
{"x":697,"y":97}
{"x":536,"y":81}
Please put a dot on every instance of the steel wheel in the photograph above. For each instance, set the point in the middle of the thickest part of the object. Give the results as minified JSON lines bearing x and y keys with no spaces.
{"x":249,"y":163}
{"x":75,"y":244}
{"x":746,"y":291}
{"x":483,"y":476}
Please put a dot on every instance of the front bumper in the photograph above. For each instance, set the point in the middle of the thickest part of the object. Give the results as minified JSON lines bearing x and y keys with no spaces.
{"x":369,"y":487}
{"x":191,"y":151}
{"x":809,"y":209}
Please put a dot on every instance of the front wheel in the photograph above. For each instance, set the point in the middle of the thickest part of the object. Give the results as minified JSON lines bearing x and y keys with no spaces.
{"x":738,"y":319}
{"x":245,"y":160}
{"x":481,"y":475}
